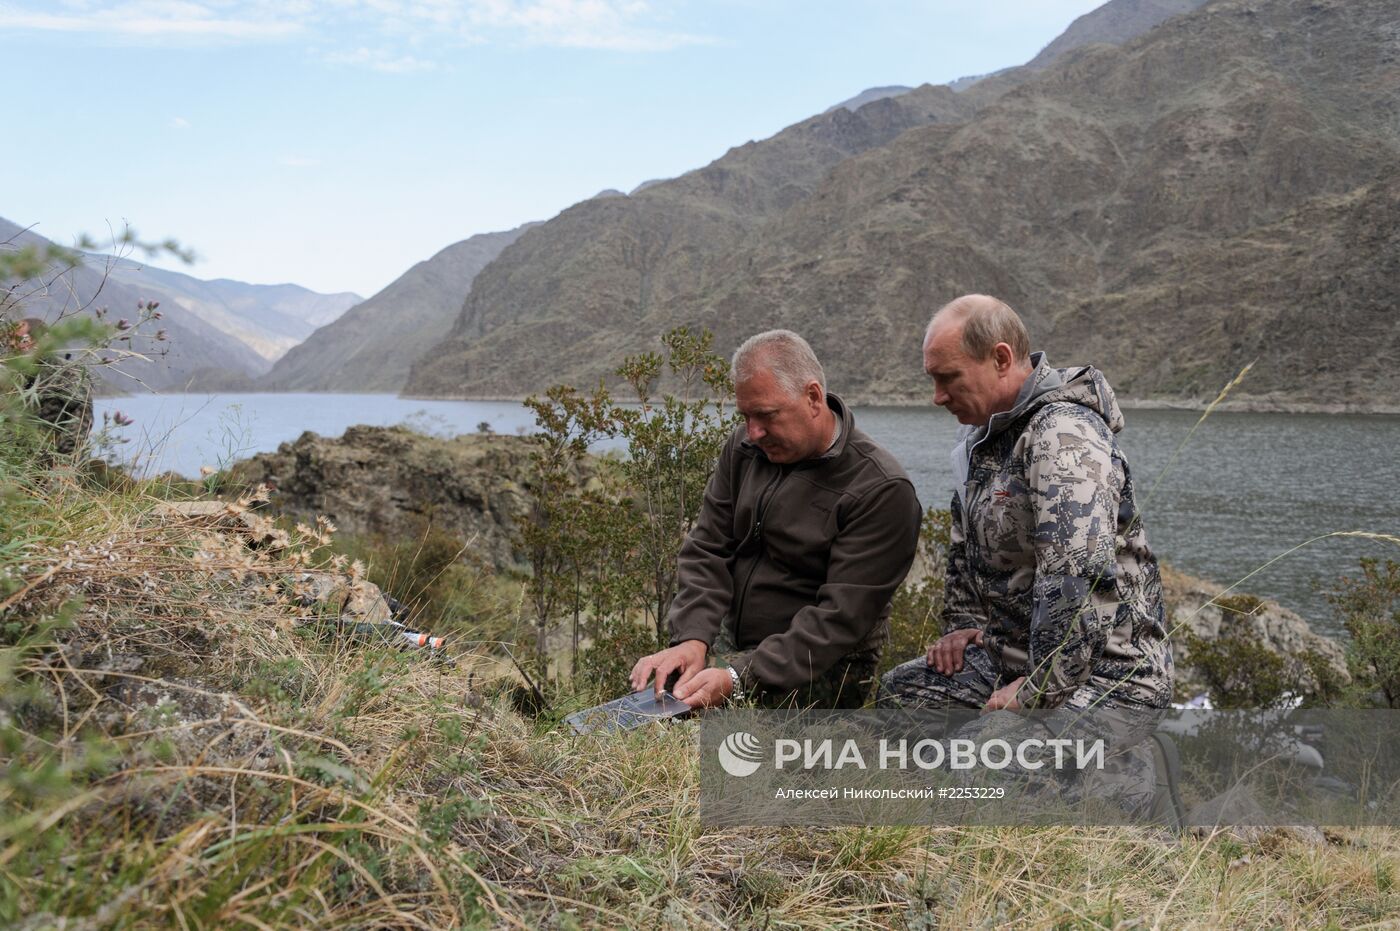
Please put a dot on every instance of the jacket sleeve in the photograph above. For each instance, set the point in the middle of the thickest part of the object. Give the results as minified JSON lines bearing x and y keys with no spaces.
{"x":704,"y":576}
{"x":869,"y":557}
{"x":1075,"y":486}
{"x":962,"y":609}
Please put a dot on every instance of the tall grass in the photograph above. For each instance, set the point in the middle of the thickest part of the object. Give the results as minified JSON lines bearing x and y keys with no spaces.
{"x":183,"y":745}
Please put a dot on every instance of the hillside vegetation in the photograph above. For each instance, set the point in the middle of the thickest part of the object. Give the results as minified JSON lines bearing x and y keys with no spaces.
{"x":183,"y":748}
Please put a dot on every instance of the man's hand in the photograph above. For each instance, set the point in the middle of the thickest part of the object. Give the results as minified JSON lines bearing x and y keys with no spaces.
{"x":1004,"y":698}
{"x":688,"y":657}
{"x":706,"y":689}
{"x":947,"y":654}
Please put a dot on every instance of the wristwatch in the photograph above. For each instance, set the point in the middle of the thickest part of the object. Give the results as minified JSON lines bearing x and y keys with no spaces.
{"x":736,"y":693}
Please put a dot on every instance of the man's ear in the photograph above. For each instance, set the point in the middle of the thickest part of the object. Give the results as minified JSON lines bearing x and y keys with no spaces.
{"x":1004,"y":356}
{"x":816,"y":397}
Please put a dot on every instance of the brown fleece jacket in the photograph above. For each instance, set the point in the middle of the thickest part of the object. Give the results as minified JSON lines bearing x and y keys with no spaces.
{"x":798,"y":561}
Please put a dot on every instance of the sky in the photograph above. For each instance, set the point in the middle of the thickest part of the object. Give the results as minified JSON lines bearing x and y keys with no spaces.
{"x":334,"y":143}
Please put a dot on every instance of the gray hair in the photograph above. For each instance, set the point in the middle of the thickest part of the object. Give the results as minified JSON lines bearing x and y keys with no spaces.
{"x":786,"y":355}
{"x":986,"y":321}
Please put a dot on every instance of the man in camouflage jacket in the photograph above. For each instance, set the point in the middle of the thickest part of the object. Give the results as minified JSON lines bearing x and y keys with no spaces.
{"x":1053,"y":597}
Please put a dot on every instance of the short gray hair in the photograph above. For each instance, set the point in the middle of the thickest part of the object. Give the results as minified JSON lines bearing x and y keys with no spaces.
{"x":986,"y":321}
{"x":783,"y":353}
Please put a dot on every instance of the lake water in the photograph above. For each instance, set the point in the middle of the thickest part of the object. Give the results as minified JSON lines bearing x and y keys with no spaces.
{"x":1243,"y":490}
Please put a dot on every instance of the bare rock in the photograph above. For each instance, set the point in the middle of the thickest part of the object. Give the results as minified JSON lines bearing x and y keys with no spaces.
{"x":1194,"y":606}
{"x":395,"y":484}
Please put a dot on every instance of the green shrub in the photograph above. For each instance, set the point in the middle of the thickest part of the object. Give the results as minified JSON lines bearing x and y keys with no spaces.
{"x":1241,"y":672}
{"x":1368,"y":607}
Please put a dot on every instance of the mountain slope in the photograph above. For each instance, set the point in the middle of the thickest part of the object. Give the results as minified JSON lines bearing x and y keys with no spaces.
{"x":206,"y":321}
{"x":603,"y":272}
{"x":609,"y":263}
{"x":371,"y":347}
{"x":869,"y":95}
{"x":1172,"y":209}
{"x":1220,"y":191}
{"x":1113,"y":24}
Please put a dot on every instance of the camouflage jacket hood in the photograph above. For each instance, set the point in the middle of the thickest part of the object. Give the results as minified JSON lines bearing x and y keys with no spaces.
{"x":1084,"y":386}
{"x":1048,"y":555}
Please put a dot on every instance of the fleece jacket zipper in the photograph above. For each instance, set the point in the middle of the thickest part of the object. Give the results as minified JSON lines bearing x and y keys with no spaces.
{"x":764,"y":499}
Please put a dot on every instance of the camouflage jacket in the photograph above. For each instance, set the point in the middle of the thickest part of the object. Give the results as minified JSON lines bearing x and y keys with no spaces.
{"x":1048,"y":554}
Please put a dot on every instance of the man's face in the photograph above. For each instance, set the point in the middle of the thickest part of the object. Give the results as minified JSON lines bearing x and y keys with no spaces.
{"x":971,"y":389}
{"x":787,"y":427}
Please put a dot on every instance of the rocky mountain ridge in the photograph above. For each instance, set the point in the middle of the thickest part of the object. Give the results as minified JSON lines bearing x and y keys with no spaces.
{"x":1171,"y":209}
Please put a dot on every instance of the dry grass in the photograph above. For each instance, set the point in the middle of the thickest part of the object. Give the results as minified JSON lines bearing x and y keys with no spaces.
{"x":182,"y":749}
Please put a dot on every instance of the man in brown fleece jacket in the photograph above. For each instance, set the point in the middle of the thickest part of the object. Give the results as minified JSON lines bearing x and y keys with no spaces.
{"x":806,"y":530}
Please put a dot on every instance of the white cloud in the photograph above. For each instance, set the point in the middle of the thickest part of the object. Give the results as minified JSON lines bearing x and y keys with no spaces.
{"x":298,"y":161}
{"x":155,"y":19}
{"x":612,"y":25}
{"x":381,"y":60}
{"x":179,"y":122}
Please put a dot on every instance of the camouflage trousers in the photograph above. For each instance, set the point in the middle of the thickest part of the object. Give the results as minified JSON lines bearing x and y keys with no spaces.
{"x":1125,"y":785}
{"x":845,"y":685}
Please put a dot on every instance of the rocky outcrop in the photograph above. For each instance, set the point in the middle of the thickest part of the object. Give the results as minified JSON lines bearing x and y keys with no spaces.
{"x":395,"y":484}
{"x":1202,"y":608}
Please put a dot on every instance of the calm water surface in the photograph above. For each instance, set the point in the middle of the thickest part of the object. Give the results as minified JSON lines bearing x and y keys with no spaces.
{"x":1244,"y":489}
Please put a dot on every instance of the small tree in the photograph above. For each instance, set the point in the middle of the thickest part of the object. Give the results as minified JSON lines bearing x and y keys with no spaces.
{"x":556,"y":535}
{"x":605,"y":551}
{"x":672,"y":445}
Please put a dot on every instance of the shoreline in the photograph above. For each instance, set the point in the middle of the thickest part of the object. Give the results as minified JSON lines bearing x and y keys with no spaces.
{"x":1248,"y":405}
{"x":1253,"y":405}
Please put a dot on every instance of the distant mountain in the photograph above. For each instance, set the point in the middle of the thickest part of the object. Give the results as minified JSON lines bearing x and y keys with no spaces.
{"x":371,"y":346}
{"x":870,"y":95}
{"x":269,"y":319}
{"x":731,"y":245}
{"x":203,"y":319}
